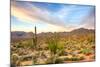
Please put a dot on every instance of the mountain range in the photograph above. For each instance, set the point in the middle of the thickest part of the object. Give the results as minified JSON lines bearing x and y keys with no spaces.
{"x":17,"y":35}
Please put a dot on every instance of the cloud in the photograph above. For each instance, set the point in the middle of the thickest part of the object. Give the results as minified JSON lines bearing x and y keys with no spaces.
{"x":56,"y":21}
{"x":89,"y":21}
{"x":34,"y":14}
{"x":47,"y":28}
{"x":21,"y":13}
{"x":53,"y":28}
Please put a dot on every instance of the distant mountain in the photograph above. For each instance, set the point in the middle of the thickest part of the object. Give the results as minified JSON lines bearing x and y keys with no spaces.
{"x":17,"y":35}
{"x":82,"y":31}
{"x":21,"y":35}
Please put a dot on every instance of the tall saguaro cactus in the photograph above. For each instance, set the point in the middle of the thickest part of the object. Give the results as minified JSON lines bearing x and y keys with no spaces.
{"x":34,"y":45}
{"x":35,"y":39}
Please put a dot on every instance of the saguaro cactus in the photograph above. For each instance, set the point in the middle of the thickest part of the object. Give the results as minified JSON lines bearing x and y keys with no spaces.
{"x":35,"y":39}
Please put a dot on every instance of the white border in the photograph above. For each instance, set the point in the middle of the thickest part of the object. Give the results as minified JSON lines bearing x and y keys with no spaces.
{"x":4,"y":33}
{"x":84,"y":2}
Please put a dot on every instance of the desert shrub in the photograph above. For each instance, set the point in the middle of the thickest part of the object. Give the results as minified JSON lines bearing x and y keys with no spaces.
{"x":61,"y":49}
{"x":50,"y":60}
{"x":56,"y":48}
{"x":58,"y":61}
{"x":53,"y":44}
{"x":91,"y":39}
{"x":19,"y":45}
{"x":81,"y":58}
{"x":74,"y":59}
{"x":14,"y":60}
{"x":85,"y":51}
{"x":53,"y":47}
{"x":34,"y":58}
{"x":71,"y":59}
{"x":93,"y":57}
{"x":26,"y":58}
{"x":66,"y":59}
{"x":54,"y":60}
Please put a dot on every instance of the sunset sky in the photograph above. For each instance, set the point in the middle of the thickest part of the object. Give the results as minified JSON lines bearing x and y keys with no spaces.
{"x":50,"y":17}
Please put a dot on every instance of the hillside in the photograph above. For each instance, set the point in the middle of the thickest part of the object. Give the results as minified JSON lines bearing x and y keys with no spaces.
{"x":17,"y":35}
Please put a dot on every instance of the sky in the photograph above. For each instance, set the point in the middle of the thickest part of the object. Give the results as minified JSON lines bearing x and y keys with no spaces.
{"x":50,"y":17}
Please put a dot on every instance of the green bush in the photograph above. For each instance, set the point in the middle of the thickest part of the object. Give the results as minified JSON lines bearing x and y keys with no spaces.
{"x":82,"y":58}
{"x":85,"y":51}
{"x":53,"y":60}
{"x":74,"y":59}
